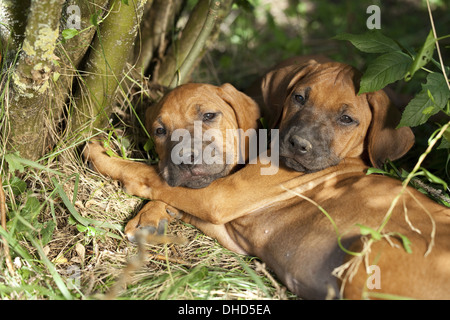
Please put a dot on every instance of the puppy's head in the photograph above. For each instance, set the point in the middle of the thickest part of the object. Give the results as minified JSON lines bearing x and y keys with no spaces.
{"x":323,"y":120}
{"x":194,"y":128}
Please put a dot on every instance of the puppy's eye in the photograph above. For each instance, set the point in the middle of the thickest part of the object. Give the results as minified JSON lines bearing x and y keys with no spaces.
{"x":345,"y":119}
{"x":209,"y":116}
{"x":160,"y":131}
{"x":299,"y":98}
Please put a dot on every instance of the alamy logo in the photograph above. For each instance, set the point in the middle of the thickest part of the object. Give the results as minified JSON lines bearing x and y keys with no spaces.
{"x":374,"y":20}
{"x":190,"y":150}
{"x":374,"y":280}
{"x":74,"y":17}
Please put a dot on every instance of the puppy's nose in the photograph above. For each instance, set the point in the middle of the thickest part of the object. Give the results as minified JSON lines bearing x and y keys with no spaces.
{"x":189,"y":156}
{"x":299,"y":144}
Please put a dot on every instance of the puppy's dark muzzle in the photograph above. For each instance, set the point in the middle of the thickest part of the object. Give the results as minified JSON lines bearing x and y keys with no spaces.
{"x":307,"y":148}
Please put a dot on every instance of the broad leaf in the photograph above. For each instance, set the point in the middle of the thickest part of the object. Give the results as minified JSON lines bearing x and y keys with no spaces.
{"x":18,"y":186}
{"x":384,"y":70}
{"x":433,"y":98}
{"x":438,"y":88}
{"x":69,"y":33}
{"x":423,"y":56}
{"x":14,"y":163}
{"x":370,"y":42}
{"x":418,"y":110}
{"x":445,"y":141}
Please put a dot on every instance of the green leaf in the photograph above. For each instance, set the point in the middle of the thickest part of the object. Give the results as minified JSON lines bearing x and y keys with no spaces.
{"x":433,"y":98}
{"x":406,"y":242}
{"x":14,"y":163}
{"x":263,"y":122}
{"x":31,"y":209}
{"x":69,"y":33}
{"x":423,"y":56}
{"x":445,"y":143}
{"x":93,"y":19}
{"x":438,"y":89}
{"x":149,"y":145}
{"x":384,"y":70}
{"x":364,"y":230}
{"x":370,"y":42}
{"x":47,"y":232}
{"x":375,"y":171}
{"x":18,"y":186}
{"x":418,"y":110}
{"x":432,"y":178}
{"x":56,"y":76}
{"x":90,"y":231}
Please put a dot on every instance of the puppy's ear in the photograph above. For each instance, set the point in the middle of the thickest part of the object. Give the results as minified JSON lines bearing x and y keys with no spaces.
{"x":277,"y":85}
{"x":246,"y":110}
{"x":384,"y":140}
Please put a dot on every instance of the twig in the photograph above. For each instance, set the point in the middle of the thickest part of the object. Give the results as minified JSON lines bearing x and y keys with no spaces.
{"x":280,"y":290}
{"x":134,"y":264}
{"x":433,"y":191}
{"x":198,"y":44}
{"x":437,"y":44}
{"x":9,"y":263}
{"x":143,"y":238}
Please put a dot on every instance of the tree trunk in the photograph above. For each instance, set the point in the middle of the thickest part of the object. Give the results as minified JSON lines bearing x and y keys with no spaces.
{"x":158,"y":22}
{"x":106,"y":62}
{"x":181,"y":48}
{"x":43,"y":75}
{"x":31,"y":78}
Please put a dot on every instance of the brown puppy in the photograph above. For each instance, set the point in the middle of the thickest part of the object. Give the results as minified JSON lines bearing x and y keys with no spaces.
{"x":190,"y":112}
{"x":194,"y":109}
{"x":278,"y":218}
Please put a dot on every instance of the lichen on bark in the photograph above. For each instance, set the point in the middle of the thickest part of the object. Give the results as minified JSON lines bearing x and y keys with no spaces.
{"x":37,"y":59}
{"x":29,"y":102}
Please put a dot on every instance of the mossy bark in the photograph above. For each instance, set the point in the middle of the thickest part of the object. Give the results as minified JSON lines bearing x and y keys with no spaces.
{"x":30,"y":80}
{"x":107,"y":59}
{"x":41,"y":79}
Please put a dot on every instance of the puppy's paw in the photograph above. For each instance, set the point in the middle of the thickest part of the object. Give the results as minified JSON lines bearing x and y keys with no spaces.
{"x":93,"y":149}
{"x":153,"y":218}
{"x":93,"y":153}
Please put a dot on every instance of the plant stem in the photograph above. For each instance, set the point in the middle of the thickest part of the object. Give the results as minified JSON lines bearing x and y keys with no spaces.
{"x":437,"y":44}
{"x":198,"y":46}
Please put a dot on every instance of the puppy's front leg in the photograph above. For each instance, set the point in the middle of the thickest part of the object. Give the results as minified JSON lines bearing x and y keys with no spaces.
{"x":137,"y":178}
